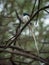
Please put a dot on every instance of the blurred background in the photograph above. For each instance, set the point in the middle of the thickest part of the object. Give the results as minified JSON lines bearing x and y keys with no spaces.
{"x":40,"y":27}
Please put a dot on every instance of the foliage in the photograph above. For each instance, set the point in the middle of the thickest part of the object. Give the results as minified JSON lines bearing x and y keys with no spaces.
{"x":9,"y":24}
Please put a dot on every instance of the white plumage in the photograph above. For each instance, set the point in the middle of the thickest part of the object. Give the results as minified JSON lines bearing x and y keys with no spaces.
{"x":25,"y":18}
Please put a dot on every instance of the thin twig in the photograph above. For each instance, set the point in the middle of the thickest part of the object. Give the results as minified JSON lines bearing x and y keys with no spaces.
{"x":33,"y":8}
{"x":46,"y":11}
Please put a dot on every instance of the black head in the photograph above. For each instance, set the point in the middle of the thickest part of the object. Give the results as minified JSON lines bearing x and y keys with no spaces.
{"x":24,"y":14}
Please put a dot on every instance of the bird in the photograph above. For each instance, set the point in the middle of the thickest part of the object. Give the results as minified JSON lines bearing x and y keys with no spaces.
{"x":25,"y":19}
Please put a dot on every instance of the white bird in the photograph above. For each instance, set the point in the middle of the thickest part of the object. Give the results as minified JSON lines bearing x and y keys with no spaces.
{"x":25,"y":19}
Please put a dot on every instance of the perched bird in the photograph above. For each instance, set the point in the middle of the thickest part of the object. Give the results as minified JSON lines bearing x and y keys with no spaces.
{"x":25,"y":19}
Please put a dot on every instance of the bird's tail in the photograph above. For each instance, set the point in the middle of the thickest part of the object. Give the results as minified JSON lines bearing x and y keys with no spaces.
{"x":33,"y":35}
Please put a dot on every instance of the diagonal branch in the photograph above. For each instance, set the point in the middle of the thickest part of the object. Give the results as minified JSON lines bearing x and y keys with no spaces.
{"x":43,"y":8}
{"x":26,"y":54}
{"x":46,"y":11}
{"x":39,"y":2}
{"x":17,"y":29}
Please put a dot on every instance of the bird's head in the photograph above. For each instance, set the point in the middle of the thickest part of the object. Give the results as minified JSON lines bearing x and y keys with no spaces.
{"x":24,"y":14}
{"x":25,"y":17}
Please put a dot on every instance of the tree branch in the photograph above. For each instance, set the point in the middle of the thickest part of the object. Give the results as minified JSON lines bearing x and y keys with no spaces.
{"x":33,"y":8}
{"x":26,"y":54}
{"x":43,"y":8}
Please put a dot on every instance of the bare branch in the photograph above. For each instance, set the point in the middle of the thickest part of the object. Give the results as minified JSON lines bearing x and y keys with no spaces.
{"x":39,"y":1}
{"x":33,"y":8}
{"x":26,"y":54}
{"x":46,"y":11}
{"x":43,"y":8}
